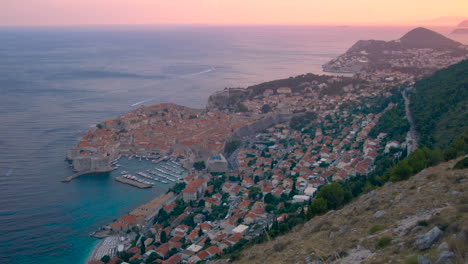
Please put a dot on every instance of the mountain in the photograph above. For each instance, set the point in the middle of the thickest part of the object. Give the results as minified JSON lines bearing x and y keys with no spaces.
{"x":423,"y":218}
{"x":423,"y":38}
{"x":420,"y":51}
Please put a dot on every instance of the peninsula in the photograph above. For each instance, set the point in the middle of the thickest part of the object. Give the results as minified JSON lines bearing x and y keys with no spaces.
{"x":419,"y":52}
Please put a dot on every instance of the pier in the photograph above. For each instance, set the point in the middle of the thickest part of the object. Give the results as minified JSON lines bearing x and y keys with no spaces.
{"x":81,"y":173}
{"x":133,"y":183}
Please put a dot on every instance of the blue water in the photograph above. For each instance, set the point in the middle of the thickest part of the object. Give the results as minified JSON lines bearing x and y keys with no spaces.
{"x":57,"y":82}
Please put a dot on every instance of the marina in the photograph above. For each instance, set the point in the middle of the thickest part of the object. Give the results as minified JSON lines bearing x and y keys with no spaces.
{"x":149,"y":173}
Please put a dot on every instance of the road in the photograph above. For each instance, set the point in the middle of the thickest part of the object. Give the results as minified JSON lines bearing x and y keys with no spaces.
{"x":412,"y":136}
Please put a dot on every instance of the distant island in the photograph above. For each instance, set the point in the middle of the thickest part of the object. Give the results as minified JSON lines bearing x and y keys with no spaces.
{"x":462,"y":28}
{"x":419,"y":52}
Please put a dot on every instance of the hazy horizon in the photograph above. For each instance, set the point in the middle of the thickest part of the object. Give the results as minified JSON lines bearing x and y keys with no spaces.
{"x":231,"y":12}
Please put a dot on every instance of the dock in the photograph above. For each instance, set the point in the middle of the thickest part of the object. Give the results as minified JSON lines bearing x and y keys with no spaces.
{"x":81,"y":173}
{"x":133,"y":183}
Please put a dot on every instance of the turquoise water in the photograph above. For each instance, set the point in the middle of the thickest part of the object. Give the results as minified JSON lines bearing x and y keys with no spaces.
{"x":92,"y":201}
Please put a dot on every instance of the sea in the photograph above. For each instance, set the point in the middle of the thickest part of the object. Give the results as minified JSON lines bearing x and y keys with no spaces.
{"x":57,"y":82}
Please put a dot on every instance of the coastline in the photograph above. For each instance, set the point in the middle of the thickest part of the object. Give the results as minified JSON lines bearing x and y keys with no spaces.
{"x":92,"y":250}
{"x":147,"y":210}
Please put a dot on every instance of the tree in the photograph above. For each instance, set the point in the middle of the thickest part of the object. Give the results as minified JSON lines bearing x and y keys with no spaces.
{"x":293,"y":190}
{"x":178,"y":187}
{"x":269,"y":198}
{"x":142,"y":246}
{"x":333,"y":193}
{"x":265,"y":108}
{"x":105,"y":259}
{"x":256,"y":179}
{"x":152,"y":257}
{"x":242,"y":108}
{"x":172,"y":252}
{"x":163,"y":237}
{"x":255,"y":193}
{"x":162,"y":216}
{"x":200,"y":165}
{"x":201,"y":203}
{"x":317,"y":207}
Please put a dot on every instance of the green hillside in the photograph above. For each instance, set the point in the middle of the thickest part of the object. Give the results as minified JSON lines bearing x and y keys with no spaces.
{"x":439,"y":105}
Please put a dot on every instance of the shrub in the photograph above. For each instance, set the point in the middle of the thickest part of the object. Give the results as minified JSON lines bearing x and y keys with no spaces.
{"x":411,"y":260}
{"x":462,"y":164}
{"x":279,"y":246}
{"x":384,"y":242}
{"x":376,"y":228}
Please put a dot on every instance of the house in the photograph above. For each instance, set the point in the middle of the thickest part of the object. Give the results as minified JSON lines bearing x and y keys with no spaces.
{"x":217,"y":164}
{"x":194,"y":190}
{"x":212,"y":251}
{"x":176,"y":259}
{"x":301,"y":198}
{"x":240,"y":229}
{"x":309,"y":191}
{"x":163,"y":250}
{"x":232,"y":240}
{"x":284,"y":90}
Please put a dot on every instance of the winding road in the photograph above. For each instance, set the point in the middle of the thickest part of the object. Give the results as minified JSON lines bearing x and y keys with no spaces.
{"x":412,"y":137}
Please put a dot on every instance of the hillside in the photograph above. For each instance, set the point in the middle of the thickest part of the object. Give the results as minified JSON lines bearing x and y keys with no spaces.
{"x":230,"y":98}
{"x":439,"y":105}
{"x":383,"y":226}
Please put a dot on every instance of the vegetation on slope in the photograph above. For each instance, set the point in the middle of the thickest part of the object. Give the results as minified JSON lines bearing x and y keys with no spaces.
{"x":393,"y":122}
{"x":381,"y":226}
{"x":439,"y":105}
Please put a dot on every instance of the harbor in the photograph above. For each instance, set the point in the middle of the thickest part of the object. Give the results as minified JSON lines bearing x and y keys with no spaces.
{"x":164,"y":172}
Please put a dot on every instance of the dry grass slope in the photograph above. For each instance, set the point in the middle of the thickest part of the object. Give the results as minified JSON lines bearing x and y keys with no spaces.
{"x":437,"y":196}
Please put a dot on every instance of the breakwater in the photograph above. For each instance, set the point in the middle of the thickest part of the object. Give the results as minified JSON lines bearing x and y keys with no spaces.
{"x":86,"y":172}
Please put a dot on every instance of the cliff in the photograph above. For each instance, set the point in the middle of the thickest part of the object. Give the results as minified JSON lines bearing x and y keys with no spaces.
{"x":425,"y":218}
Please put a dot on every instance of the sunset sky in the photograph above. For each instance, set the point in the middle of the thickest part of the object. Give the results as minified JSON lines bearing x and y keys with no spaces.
{"x":335,"y":12}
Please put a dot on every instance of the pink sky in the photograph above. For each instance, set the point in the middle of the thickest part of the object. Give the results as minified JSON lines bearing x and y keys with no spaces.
{"x":349,"y":12}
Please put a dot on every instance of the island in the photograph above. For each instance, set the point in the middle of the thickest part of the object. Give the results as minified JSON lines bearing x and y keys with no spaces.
{"x":462,"y":28}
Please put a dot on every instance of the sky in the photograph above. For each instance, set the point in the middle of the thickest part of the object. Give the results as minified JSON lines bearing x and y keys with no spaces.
{"x":319,"y":12}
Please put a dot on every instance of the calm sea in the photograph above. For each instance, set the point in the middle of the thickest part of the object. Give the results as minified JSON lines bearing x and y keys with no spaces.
{"x":57,"y":82}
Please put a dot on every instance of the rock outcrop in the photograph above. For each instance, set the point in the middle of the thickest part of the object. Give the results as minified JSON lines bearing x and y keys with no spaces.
{"x":426,"y":241}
